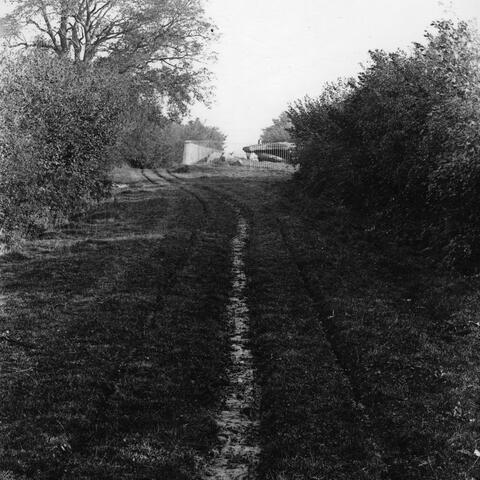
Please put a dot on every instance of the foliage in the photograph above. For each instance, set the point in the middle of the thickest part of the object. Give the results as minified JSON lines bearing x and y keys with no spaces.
{"x":156,"y":142}
{"x":174,"y":136}
{"x":100,"y":79}
{"x":164,"y":43}
{"x":319,"y":122}
{"x":56,"y":125}
{"x":278,"y":131}
{"x":139,"y":139}
{"x":401,"y":143}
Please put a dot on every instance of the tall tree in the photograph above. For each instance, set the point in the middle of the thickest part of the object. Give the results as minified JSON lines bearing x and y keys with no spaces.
{"x":165,"y":43}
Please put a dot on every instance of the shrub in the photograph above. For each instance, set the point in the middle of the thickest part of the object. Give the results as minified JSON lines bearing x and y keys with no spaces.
{"x":139,"y":144}
{"x":151,"y":140}
{"x":317,"y":128}
{"x":57,"y":120}
{"x":174,"y":136}
{"x":401,"y":142}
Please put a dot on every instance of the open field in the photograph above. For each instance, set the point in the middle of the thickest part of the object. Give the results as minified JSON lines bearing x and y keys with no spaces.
{"x":116,"y":343}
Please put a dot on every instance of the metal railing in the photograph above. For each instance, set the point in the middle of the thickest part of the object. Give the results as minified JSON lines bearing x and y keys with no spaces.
{"x":272,"y":152}
{"x":265,"y":165}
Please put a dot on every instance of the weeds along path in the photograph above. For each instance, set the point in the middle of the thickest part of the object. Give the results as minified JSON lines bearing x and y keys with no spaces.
{"x":113,"y":344}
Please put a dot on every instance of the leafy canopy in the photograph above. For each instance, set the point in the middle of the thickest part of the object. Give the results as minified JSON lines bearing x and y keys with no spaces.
{"x":163,"y":43}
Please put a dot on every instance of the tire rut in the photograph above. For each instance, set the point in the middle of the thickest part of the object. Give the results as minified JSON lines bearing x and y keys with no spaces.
{"x":168,"y":283}
{"x":238,"y":454}
{"x":237,"y":457}
{"x":372,"y":441}
{"x":320,"y":307}
{"x":172,"y":179}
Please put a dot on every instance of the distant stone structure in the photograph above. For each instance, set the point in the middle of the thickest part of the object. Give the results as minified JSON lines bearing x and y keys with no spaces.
{"x":197,"y":151}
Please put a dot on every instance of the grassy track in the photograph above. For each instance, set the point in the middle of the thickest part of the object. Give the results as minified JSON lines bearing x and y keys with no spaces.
{"x":367,"y":354}
{"x":403,"y":330}
{"x":310,"y":423}
{"x":115,"y":347}
{"x":127,"y":344}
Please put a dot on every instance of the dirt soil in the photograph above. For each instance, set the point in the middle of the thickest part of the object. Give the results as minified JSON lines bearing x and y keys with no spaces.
{"x":129,"y":337}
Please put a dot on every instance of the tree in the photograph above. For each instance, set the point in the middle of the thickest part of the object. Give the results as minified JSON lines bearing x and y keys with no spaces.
{"x":279,"y":131}
{"x":55,"y":129}
{"x":164,"y":43}
{"x":97,"y":76}
{"x":149,"y":142}
{"x":401,"y":142}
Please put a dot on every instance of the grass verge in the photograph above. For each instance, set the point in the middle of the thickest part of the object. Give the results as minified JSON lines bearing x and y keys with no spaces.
{"x":406,"y":332}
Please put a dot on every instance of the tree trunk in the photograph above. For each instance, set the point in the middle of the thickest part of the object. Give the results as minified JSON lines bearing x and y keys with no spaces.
{"x":63,"y":34}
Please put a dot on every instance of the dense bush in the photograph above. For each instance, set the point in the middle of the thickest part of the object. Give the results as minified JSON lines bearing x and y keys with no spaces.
{"x":150,"y":140}
{"x":57,"y":120}
{"x":174,"y":136}
{"x":401,"y":142}
{"x":140,"y":140}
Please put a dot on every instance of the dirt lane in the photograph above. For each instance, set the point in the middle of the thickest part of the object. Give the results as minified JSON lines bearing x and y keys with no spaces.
{"x":134,"y":344}
{"x":238,"y":453}
{"x":311,"y":424}
{"x":366,"y":355}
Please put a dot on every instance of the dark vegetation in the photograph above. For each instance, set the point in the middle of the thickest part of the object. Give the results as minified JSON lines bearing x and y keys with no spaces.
{"x":57,"y":121}
{"x":310,"y":425}
{"x":400,"y":144}
{"x":87,"y":85}
{"x":404,"y":333}
{"x":403,"y":330}
{"x":158,"y":142}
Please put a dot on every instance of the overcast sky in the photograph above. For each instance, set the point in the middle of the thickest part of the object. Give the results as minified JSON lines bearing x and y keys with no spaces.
{"x":272,"y":52}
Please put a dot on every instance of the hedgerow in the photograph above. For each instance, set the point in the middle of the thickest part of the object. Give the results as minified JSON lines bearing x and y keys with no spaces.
{"x":401,"y":143}
{"x":57,"y":121}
